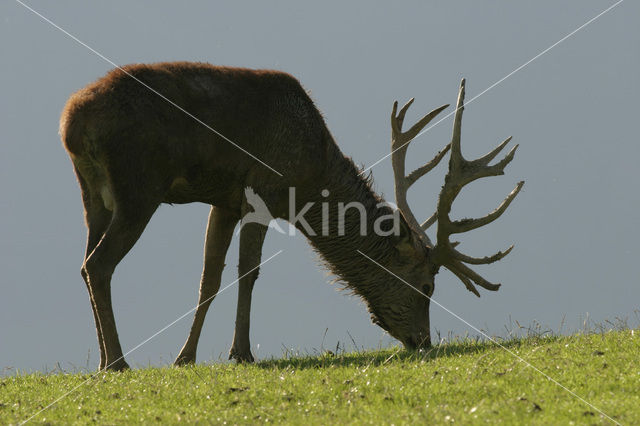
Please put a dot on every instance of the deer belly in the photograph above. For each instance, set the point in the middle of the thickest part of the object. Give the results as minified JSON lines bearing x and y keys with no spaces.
{"x":207,"y":191}
{"x":179,"y":192}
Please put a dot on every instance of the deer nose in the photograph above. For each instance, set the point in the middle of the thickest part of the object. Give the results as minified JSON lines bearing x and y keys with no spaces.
{"x":420,"y":340}
{"x":409,"y":344}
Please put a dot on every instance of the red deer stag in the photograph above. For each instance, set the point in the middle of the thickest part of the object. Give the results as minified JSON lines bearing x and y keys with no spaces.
{"x":133,"y":150}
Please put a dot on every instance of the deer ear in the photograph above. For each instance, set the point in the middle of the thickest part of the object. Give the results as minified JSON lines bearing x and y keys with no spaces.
{"x":406,"y":241}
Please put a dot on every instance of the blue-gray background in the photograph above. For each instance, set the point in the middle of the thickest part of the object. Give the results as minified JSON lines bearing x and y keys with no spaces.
{"x":573,"y":111}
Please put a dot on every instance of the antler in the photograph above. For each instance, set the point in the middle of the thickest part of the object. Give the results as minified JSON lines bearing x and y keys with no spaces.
{"x":399,"y":143}
{"x":461,"y":172}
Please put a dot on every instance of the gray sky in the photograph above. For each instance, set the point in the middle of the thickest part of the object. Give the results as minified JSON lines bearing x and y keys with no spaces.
{"x":573,"y":111}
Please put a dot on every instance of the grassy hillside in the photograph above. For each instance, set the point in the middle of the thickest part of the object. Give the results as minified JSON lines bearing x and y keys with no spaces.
{"x":463,"y":382}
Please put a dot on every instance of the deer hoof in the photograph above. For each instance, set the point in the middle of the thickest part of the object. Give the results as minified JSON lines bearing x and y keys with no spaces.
{"x":120,"y":365}
{"x":184,"y":359}
{"x":241,"y":356}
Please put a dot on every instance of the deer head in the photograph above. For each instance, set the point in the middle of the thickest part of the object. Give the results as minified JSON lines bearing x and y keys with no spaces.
{"x":414,"y":245}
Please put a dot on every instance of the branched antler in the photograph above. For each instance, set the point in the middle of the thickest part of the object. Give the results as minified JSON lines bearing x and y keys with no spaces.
{"x":461,"y":172}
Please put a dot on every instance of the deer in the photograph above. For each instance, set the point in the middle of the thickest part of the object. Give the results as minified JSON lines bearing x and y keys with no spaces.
{"x":183,"y":132}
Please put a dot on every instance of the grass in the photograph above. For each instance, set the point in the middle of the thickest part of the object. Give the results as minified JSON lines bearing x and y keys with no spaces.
{"x":462,"y":382}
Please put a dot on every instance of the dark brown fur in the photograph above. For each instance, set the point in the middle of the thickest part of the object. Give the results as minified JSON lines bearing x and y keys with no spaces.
{"x":133,"y":150}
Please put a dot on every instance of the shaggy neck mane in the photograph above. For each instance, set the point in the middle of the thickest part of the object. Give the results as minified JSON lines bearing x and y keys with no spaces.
{"x":339,"y":253}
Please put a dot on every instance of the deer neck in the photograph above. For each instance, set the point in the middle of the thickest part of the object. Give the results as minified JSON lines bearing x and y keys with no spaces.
{"x":344,"y":218}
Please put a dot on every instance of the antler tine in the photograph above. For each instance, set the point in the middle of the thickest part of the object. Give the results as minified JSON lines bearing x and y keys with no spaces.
{"x":423,"y":170}
{"x":461,"y":172}
{"x":401,"y":139}
{"x":486,"y":159}
{"x":466,"y":225}
{"x":476,"y":169}
{"x":415,"y":129}
{"x":481,"y":260}
{"x":466,"y":281}
{"x":456,"y":160}
{"x":403,"y":111}
{"x":427,"y":223}
{"x":472,"y":275}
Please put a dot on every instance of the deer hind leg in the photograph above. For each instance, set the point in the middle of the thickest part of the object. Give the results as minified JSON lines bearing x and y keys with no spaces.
{"x":251,"y":239}
{"x":217,"y":240}
{"x":97,"y":219}
{"x":129,"y":219}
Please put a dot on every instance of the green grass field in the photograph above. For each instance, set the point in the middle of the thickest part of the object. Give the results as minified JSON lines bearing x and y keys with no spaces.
{"x":462,"y":382}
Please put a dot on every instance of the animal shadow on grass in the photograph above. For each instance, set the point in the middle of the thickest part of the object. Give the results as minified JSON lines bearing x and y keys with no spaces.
{"x":372,"y":359}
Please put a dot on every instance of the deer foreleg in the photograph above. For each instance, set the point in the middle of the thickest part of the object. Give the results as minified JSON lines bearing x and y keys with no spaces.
{"x":251,"y":239}
{"x":217,"y":240}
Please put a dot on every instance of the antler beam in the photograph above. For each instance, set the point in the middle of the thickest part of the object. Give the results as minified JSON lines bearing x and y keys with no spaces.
{"x":399,"y":144}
